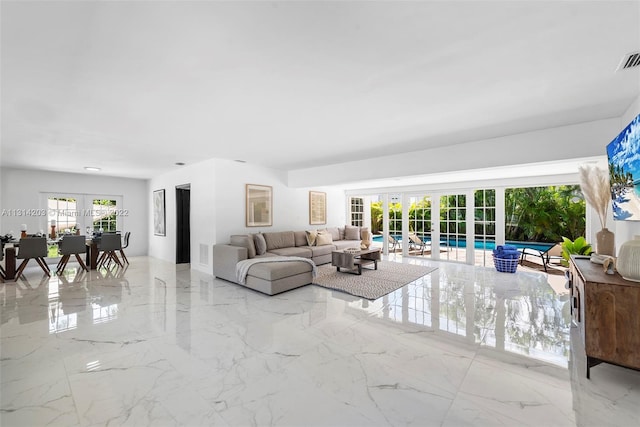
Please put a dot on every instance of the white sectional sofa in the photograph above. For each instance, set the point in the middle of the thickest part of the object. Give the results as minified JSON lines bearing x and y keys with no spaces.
{"x":274,"y":277}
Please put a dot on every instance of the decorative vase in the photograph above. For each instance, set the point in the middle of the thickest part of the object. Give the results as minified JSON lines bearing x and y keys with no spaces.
{"x":628,"y":263}
{"x":605,"y":242}
{"x":366,"y":240}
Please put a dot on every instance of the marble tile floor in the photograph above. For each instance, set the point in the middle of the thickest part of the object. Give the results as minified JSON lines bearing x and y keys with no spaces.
{"x":158,"y":344}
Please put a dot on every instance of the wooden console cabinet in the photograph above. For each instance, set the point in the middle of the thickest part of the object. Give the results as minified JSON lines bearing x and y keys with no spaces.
{"x":606,"y":309}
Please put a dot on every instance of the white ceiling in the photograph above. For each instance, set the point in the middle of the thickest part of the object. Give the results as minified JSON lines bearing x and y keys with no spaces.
{"x":133,"y":87}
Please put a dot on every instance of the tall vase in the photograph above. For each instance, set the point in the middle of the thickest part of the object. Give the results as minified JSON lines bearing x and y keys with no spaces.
{"x":366,"y":240}
{"x":605,"y":242}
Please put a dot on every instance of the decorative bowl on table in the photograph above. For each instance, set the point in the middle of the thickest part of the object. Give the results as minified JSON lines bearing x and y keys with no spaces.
{"x":352,"y":250}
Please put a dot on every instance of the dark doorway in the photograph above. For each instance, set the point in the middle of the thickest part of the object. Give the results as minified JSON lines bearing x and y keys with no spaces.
{"x":183,"y":229}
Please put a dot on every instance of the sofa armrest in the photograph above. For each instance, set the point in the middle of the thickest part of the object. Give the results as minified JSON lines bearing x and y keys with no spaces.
{"x":225,"y":258}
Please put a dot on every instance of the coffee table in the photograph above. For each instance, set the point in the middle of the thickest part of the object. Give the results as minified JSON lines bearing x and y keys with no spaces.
{"x":353,"y":262}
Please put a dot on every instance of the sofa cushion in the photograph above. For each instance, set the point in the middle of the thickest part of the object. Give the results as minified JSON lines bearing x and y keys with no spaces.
{"x":261,"y":244}
{"x":281,"y":239}
{"x":300,"y":238}
{"x":351,"y":233}
{"x":324,"y":238}
{"x":311,"y":237}
{"x":341,"y":231}
{"x":244,"y":241}
{"x":279,"y":270}
{"x":335,"y":233}
{"x":301,"y":251}
{"x":266,"y":255}
{"x":322,"y":250}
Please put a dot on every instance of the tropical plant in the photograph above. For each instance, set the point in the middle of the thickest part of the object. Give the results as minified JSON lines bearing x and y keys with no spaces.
{"x":580,"y":246}
{"x":544,"y":214}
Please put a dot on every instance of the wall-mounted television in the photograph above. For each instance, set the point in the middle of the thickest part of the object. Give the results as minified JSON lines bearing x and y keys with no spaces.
{"x":623,"y":154}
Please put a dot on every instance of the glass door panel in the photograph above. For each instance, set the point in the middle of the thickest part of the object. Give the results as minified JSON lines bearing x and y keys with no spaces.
{"x":395,"y":224}
{"x":484,"y":226}
{"x":420,"y":225}
{"x":453,"y":227}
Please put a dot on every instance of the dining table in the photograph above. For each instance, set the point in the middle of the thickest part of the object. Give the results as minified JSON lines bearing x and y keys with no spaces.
{"x":91,"y":258}
{"x":11,"y":252}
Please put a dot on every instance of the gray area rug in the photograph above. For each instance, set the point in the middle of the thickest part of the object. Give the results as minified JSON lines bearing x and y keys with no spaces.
{"x":372,"y":284}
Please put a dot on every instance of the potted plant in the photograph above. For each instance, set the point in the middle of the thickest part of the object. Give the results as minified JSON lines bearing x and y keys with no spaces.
{"x":580,"y":246}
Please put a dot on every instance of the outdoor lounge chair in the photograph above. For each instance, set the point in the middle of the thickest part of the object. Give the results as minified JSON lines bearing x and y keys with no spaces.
{"x":416,"y":244}
{"x":553,"y":252}
{"x":393,"y":243}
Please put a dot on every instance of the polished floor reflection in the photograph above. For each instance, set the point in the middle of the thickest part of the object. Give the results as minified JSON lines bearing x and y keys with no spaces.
{"x":158,"y":344}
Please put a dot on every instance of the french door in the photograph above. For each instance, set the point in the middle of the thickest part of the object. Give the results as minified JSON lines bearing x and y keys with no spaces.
{"x":437,"y":226}
{"x":68,"y":212}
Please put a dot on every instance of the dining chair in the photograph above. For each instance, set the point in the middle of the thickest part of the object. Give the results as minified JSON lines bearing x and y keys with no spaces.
{"x":109,"y":243}
{"x":71,"y":245}
{"x":127,"y":235}
{"x":32,"y":248}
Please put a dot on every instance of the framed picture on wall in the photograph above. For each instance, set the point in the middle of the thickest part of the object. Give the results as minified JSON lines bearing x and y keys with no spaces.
{"x":317,"y":207}
{"x":259,"y":205}
{"x":159,"y":223}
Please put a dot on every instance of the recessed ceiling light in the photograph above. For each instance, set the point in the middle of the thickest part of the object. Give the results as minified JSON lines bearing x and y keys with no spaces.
{"x":92,"y":168}
{"x":240,"y":161}
{"x":179,"y":163}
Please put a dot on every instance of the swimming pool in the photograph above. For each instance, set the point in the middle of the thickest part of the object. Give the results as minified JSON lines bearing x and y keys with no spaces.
{"x":488,"y":245}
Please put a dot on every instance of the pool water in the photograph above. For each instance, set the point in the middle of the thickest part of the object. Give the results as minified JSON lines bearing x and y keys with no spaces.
{"x":488,"y":245}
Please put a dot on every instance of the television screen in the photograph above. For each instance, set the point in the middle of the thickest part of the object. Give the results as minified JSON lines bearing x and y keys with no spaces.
{"x":623,"y":154}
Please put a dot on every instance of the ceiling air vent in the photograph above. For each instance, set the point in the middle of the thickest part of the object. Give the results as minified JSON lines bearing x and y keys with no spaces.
{"x":630,"y":60}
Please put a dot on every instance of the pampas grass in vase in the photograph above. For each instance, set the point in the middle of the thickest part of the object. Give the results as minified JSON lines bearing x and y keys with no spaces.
{"x":594,"y":183}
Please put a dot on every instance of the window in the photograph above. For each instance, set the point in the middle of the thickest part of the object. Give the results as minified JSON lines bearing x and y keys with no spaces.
{"x":544,"y":214}
{"x":104,"y":215}
{"x":357,"y":211}
{"x":63,"y":213}
{"x":70,"y":212}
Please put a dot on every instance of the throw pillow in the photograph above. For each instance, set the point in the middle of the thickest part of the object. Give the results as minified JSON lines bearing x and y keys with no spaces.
{"x":335,"y":233}
{"x":300,"y":238}
{"x":324,"y":238}
{"x":244,"y":242}
{"x":311,"y":237}
{"x":261,"y":244}
{"x":351,"y":233}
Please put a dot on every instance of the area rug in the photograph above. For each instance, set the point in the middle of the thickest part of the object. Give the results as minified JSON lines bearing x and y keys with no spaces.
{"x":372,"y":284}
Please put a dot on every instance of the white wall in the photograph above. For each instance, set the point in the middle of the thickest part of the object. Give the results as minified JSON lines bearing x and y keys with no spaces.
{"x":23,"y":189}
{"x":290,"y":205}
{"x":200,"y":177}
{"x":218,"y":206}
{"x":625,"y":230}
{"x":560,"y":143}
